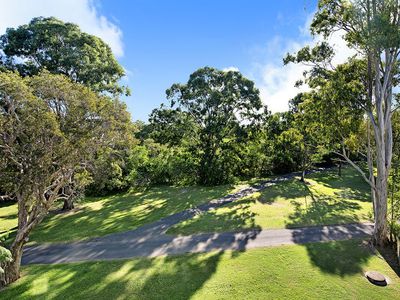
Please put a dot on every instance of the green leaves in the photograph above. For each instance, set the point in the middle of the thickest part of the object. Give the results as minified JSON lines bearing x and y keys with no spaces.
{"x":369,"y":24}
{"x":213,"y":116}
{"x":52,"y":127}
{"x":5,"y":256}
{"x":320,"y":53}
{"x":61,"y":48}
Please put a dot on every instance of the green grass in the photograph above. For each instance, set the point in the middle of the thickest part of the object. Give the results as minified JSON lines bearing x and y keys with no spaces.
{"x":8,"y":217}
{"x":101,"y":216}
{"x":325,"y":199}
{"x":314,"y":271}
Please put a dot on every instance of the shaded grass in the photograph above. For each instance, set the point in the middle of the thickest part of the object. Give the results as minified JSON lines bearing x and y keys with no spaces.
{"x":326,"y":199}
{"x":314,"y":271}
{"x":101,"y":216}
{"x":8,"y":218}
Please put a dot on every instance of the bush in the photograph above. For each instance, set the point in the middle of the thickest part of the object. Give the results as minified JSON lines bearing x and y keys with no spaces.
{"x":5,"y":256}
{"x":153,"y":163}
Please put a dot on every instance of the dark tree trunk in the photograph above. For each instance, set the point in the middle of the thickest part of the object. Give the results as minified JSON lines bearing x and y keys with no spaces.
{"x":68,"y":204}
{"x":303,"y":176}
{"x":340,"y":169}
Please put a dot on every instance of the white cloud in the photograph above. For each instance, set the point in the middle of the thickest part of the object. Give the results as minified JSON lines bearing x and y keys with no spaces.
{"x":80,"y":12}
{"x":276,"y":81}
{"x":232,"y":68}
{"x":277,"y":86}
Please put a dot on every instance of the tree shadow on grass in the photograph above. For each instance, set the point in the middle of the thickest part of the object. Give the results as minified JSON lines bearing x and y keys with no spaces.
{"x":237,"y":216}
{"x":284,"y":190}
{"x":7,"y":203}
{"x":172,"y":277}
{"x":322,"y":210}
{"x":389,"y":255}
{"x":188,"y":274}
{"x":340,"y":258}
{"x":123,"y":212}
{"x":336,"y":257}
{"x":9,"y":217}
{"x":351,"y":185}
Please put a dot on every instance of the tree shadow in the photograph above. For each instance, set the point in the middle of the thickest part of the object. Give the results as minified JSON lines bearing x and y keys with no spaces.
{"x":283,"y":190}
{"x":172,"y":277}
{"x":189,"y":275}
{"x":237,"y":216}
{"x":7,"y":203}
{"x":9,"y":217}
{"x":340,"y":258}
{"x":322,"y":209}
{"x":123,"y":212}
{"x":342,"y":250}
{"x":8,"y":221}
{"x":349,"y":253}
{"x":389,"y":255}
{"x":350,"y":185}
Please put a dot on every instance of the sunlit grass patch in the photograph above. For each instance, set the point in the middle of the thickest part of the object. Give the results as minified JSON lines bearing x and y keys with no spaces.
{"x":324,"y":199}
{"x":333,"y":270}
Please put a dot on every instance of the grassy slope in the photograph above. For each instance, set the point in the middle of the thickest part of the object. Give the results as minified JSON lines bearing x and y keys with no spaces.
{"x":313,"y":271}
{"x":326,"y":199}
{"x":336,"y":200}
{"x":100,"y":216}
{"x":8,"y":217}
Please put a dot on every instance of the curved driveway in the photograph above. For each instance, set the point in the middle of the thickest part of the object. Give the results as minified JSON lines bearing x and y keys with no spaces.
{"x":150,"y":240}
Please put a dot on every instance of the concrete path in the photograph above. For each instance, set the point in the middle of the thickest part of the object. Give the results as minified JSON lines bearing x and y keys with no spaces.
{"x":148,"y":245}
{"x":150,"y":240}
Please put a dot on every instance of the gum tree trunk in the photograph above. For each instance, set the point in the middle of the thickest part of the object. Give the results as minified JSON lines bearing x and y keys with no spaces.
{"x":383,"y":164}
{"x":381,"y":197}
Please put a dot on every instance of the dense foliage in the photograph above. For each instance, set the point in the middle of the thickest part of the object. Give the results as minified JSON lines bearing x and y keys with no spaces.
{"x":372,"y":28}
{"x":64,"y":131}
{"x":61,"y":48}
{"x":51,"y":131}
{"x":213,"y":124}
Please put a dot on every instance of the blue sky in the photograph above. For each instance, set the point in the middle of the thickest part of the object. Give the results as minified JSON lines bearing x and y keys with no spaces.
{"x":163,"y":42}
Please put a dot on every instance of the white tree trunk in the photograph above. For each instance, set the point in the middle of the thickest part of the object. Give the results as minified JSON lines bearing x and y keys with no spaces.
{"x":382,"y":125}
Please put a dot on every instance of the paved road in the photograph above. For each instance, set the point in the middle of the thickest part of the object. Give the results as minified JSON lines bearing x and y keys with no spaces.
{"x":149,"y":245}
{"x":150,"y":240}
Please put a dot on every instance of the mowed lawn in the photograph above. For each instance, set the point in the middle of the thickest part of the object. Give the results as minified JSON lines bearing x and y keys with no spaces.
{"x":313,"y":271}
{"x":325,"y":199}
{"x":100,"y":216}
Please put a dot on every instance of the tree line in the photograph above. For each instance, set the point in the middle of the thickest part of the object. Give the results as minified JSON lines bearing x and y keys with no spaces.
{"x":64,"y":130}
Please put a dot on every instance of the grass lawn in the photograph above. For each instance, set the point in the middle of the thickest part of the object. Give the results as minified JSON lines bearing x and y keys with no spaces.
{"x":314,"y":271}
{"x":8,"y":217}
{"x":100,"y":216}
{"x":325,"y":199}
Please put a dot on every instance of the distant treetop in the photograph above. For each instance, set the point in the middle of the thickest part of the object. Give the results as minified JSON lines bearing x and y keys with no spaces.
{"x":62,"y":48}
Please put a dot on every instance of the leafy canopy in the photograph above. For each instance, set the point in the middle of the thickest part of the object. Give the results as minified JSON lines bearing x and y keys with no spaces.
{"x":62,"y":48}
{"x":213,"y":114}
